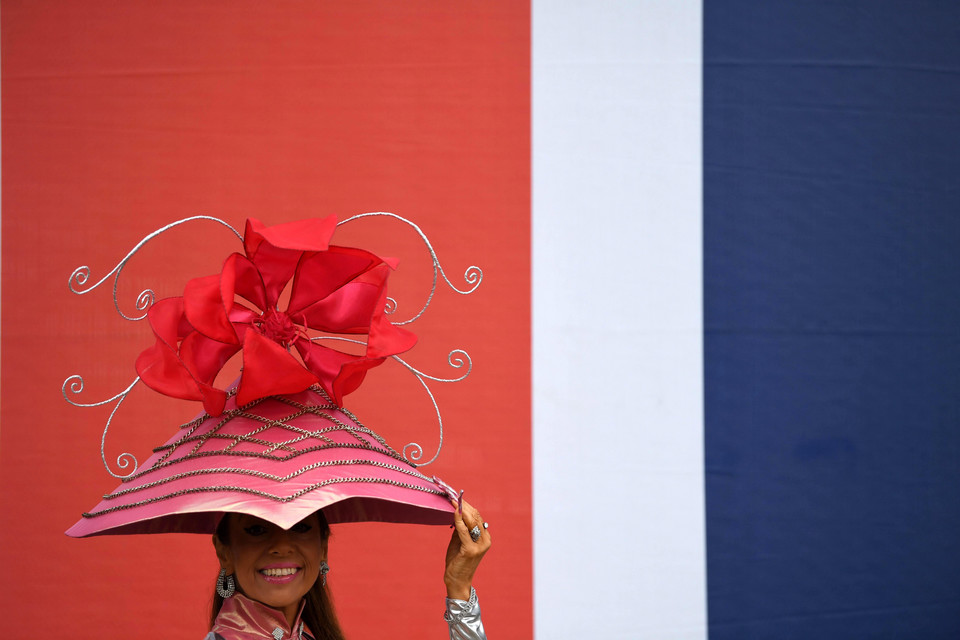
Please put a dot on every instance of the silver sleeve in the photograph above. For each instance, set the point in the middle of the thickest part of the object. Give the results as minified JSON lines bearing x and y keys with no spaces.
{"x":463,"y":618}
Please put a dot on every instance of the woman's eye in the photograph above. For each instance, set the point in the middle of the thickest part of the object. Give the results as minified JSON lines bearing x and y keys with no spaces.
{"x":255,"y":530}
{"x":300,"y":527}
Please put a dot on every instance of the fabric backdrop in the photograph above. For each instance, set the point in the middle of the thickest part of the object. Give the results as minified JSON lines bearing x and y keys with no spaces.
{"x":832,"y":319}
{"x":119,"y":118}
{"x":796,"y":474}
{"x":719,"y":245}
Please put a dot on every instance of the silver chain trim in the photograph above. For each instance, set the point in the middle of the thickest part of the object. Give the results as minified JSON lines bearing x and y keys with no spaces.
{"x":266,"y":476}
{"x":365,"y":439}
{"x":263,"y":494}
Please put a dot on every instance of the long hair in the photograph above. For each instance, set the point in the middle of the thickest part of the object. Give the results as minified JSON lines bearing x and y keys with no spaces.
{"x":318,"y":613}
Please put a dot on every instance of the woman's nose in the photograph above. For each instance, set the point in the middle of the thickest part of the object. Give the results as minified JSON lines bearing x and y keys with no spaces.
{"x":280,"y":542}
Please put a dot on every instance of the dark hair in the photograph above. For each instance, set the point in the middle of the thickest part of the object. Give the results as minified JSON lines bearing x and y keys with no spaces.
{"x":318,"y":613}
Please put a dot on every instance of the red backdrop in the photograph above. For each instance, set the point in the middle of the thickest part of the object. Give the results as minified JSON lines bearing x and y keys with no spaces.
{"x":118,"y":118}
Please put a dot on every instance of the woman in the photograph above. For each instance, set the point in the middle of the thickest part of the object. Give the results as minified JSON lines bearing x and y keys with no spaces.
{"x":278,"y":443}
{"x":279,"y":579}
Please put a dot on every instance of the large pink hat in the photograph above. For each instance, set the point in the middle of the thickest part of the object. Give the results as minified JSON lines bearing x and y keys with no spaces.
{"x":279,"y":458}
{"x":277,"y":444}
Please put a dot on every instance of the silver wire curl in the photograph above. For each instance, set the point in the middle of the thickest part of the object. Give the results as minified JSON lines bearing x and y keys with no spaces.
{"x":458,"y":358}
{"x":472,"y":276}
{"x":124,"y":459}
{"x":455,"y":362}
{"x":81,"y":274}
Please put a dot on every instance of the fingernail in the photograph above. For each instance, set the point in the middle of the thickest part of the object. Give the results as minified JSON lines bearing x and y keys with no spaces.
{"x":460,"y":502}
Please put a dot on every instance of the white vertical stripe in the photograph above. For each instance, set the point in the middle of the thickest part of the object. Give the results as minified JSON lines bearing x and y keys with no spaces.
{"x":617,"y":315}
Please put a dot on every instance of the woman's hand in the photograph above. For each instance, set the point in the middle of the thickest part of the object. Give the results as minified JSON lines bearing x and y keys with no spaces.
{"x":463,"y":553}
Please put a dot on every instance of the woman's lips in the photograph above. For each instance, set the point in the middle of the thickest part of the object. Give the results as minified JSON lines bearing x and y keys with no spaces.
{"x":279,"y":574}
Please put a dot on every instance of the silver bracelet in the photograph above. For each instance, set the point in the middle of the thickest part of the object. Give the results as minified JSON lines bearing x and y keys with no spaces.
{"x":454,"y":618}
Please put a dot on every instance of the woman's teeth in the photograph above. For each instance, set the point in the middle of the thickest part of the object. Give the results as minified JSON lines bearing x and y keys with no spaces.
{"x":289,"y":571}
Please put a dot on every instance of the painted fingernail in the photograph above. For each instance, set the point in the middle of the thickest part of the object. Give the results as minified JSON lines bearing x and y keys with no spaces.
{"x":460,"y":502}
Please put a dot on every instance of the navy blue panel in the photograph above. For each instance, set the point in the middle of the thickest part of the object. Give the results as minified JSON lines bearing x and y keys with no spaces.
{"x":832,"y":318}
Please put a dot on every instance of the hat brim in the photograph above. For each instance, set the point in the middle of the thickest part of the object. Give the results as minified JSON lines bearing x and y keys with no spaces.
{"x":280,"y":459}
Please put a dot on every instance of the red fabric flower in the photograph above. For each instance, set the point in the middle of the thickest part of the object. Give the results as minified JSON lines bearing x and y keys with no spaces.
{"x":334,"y":290}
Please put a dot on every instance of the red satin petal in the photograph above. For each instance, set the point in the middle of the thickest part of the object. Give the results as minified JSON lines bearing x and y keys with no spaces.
{"x":320,"y":275}
{"x":240,"y":277}
{"x":161,"y":369}
{"x":346,"y":310}
{"x":213,"y":400}
{"x":312,"y":234}
{"x":240,"y":316}
{"x":204,"y":307}
{"x":385,"y":339}
{"x":160,"y":366}
{"x":276,"y":250}
{"x":205,"y":357}
{"x":352,"y":375}
{"x":269,"y":369}
{"x":325,"y":363}
{"x":167,"y":320}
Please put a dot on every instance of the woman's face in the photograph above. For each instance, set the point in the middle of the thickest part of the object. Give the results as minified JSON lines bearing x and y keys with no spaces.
{"x":272,"y":565}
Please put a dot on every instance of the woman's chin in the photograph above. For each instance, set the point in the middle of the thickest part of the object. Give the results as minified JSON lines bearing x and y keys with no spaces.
{"x":278,"y":592}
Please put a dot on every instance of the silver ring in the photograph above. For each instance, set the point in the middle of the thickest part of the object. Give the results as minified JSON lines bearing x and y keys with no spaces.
{"x":475,"y":534}
{"x":486,"y":525}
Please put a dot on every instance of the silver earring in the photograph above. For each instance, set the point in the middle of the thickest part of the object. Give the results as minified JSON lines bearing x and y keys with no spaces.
{"x":226,"y":585}
{"x":324,"y":570}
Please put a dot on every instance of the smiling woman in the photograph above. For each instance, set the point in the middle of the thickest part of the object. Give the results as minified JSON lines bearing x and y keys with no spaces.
{"x":275,"y":458}
{"x":275,"y":567}
{"x":272,"y":581}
